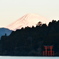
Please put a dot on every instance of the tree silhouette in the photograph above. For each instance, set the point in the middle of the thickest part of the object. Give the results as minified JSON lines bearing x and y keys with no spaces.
{"x":30,"y":41}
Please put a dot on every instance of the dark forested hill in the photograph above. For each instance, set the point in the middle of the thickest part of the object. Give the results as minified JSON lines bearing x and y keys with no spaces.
{"x":30,"y":41}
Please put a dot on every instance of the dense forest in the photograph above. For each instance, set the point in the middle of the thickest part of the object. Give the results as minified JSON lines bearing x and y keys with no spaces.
{"x":30,"y":41}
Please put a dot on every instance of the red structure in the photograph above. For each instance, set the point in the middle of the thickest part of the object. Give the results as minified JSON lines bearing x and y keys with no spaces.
{"x":48,"y":51}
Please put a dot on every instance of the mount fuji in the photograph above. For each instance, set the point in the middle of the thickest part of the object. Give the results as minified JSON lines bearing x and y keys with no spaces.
{"x":27,"y":20}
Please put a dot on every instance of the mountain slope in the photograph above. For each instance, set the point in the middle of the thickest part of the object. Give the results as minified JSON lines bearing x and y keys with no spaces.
{"x":27,"y":20}
{"x":4,"y":31}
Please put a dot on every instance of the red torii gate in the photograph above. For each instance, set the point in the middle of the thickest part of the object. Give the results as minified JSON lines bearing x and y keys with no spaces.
{"x":48,"y":51}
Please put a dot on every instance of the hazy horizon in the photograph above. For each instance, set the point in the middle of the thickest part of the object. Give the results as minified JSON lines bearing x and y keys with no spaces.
{"x":11,"y":10}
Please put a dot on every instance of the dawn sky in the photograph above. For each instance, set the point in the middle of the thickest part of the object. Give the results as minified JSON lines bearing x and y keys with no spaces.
{"x":11,"y":10}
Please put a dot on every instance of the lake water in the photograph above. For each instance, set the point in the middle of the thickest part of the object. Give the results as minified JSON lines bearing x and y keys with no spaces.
{"x":8,"y":57}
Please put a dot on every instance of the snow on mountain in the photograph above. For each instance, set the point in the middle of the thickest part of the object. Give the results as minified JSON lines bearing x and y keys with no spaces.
{"x":27,"y":20}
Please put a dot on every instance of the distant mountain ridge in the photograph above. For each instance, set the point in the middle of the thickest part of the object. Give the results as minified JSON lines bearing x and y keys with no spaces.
{"x":27,"y":20}
{"x":4,"y":31}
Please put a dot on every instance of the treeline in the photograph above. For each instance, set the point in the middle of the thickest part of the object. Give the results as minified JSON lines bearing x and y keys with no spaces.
{"x":31,"y":41}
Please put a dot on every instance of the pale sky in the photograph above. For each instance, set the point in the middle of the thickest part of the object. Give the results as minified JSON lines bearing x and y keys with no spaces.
{"x":11,"y":10}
